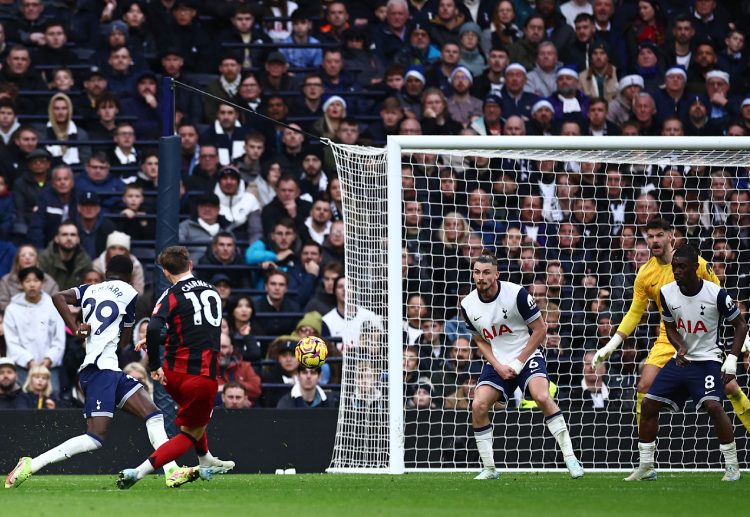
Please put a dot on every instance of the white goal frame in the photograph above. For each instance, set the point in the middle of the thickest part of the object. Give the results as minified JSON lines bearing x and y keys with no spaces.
{"x":710,"y":151}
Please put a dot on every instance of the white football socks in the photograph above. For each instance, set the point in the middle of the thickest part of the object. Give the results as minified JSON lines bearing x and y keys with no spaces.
{"x":483,"y":437}
{"x":76,"y":445}
{"x":647,"y":451}
{"x":207,"y":460}
{"x":729,"y":450}
{"x":559,"y":429}
{"x":157,"y":436}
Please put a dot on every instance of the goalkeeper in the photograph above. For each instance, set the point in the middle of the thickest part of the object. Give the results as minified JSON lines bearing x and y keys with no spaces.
{"x":654,"y":274}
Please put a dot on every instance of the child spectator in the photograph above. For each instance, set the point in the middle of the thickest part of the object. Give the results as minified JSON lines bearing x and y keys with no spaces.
{"x":133,"y":222}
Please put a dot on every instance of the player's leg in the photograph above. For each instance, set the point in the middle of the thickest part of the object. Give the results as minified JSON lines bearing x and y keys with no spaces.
{"x":538,"y":387}
{"x":99,"y":387}
{"x":739,"y":401}
{"x":648,"y":374}
{"x":140,"y":405}
{"x":209,"y":464}
{"x":91,"y":441}
{"x":647,"y":430}
{"x":724,"y":433}
{"x":485,"y":397}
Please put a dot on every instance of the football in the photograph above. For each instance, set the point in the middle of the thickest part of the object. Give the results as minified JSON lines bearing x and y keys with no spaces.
{"x":311,"y":352}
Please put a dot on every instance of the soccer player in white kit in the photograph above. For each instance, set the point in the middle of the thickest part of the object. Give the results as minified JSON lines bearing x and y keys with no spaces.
{"x":108,"y":313}
{"x":500,"y":315}
{"x":693,"y":311}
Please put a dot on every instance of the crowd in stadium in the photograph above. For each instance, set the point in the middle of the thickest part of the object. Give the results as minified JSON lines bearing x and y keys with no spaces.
{"x":80,"y":115}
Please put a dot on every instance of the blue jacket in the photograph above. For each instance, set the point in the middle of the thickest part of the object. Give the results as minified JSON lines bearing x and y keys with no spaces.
{"x":50,"y":212}
{"x":105,"y":188}
{"x":7,"y":254}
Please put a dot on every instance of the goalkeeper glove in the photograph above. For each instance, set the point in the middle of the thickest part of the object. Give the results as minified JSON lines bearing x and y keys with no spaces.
{"x":730,"y":365}
{"x":607,"y":350}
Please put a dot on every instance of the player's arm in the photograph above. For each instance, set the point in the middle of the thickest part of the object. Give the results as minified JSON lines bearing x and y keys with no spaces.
{"x":628,"y":324}
{"x":528,"y":309}
{"x":128,"y":320}
{"x":485,"y":348}
{"x":732,"y":314}
{"x":153,"y":341}
{"x":673,"y":335}
{"x":72,"y":296}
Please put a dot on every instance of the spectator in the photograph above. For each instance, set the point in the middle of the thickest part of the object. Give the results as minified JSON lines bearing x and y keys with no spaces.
{"x":93,"y":227}
{"x":704,"y":61}
{"x":284,"y":371}
{"x":568,"y":101}
{"x":133,"y":220}
{"x":391,"y":114}
{"x":276,"y":251}
{"x":598,"y":125}
{"x":644,"y":113}
{"x":438,"y":76}
{"x":680,"y":47}
{"x":38,"y":388}
{"x":336,"y":22}
{"x":198,"y":232}
{"x":711,"y":23}
{"x":205,"y":174}
{"x":306,"y":56}
{"x":233,"y":369}
{"x":593,"y":392}
{"x":11,"y":285}
{"x":698,"y":122}
{"x":188,"y":106}
{"x":143,"y":104}
{"x":234,"y":396}
{"x":54,"y":50}
{"x":516,"y":101}
{"x":307,"y":393}
{"x":243,"y":328}
{"x":286,"y":204}
{"x":7,"y":254}
{"x":147,"y":177}
{"x":732,"y":58}
{"x":244,"y":30}
{"x":28,"y":188}
{"x":11,"y":395}
{"x":24,"y":140}
{"x":463,"y":396}
{"x":121,"y":73}
{"x":334,"y":111}
{"x":541,"y":80}
{"x":462,"y":106}
{"x":318,"y":224}
{"x":410,"y":96}
{"x":55,"y":204}
{"x":223,"y":251}
{"x":305,"y":273}
{"x":436,"y":119}
{"x":29,"y":343}
{"x":277,"y":77}
{"x":524,"y":51}
{"x":276,"y":301}
{"x":238,"y":207}
{"x":314,"y":180}
{"x":391,"y":36}
{"x":290,"y":157}
{"x":105,"y":115}
{"x":226,"y":86}
{"x":189,"y":148}
{"x":249,"y":164}
{"x":64,"y":259}
{"x":324,"y":298}
{"x":118,"y":243}
{"x":17,"y":70}
{"x":8,"y":121}
{"x":123,"y":153}
{"x":620,"y":109}
{"x":310,"y":104}
{"x":607,"y":29}
{"x":419,"y":51}
{"x":98,"y":179}
{"x":185,"y":32}
{"x":723,"y":107}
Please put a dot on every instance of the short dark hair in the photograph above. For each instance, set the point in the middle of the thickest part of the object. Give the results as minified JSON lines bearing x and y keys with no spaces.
{"x":6,"y":102}
{"x":688,"y":252}
{"x":175,"y":259}
{"x":487,"y":257}
{"x":223,"y":234}
{"x":23,"y":273}
{"x":659,"y":223}
{"x":120,"y":265}
{"x":99,"y":156}
{"x":233,"y":384}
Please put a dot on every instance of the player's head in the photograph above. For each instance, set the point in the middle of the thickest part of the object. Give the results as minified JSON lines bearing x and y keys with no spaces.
{"x":685,"y":265}
{"x":119,"y":267}
{"x":485,"y":272}
{"x":175,"y":260}
{"x":659,"y":237}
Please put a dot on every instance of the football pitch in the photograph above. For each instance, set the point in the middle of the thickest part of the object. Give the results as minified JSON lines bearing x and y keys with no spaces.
{"x":533,"y":494}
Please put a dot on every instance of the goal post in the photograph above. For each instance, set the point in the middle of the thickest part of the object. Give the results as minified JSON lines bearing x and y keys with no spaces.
{"x":386,"y":424}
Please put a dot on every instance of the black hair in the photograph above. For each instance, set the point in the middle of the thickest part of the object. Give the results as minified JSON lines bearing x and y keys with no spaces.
{"x":688,"y":252}
{"x":120,"y":265}
{"x":31,"y":270}
{"x":487,"y":257}
{"x":659,"y":223}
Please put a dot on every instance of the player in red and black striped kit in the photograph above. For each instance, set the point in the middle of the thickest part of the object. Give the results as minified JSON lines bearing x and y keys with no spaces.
{"x":191,"y":312}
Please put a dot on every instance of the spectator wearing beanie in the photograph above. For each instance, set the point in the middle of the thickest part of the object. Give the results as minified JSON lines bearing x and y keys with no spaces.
{"x":118,"y":243}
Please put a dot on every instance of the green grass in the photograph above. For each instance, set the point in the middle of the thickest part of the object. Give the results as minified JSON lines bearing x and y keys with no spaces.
{"x":433,"y":495}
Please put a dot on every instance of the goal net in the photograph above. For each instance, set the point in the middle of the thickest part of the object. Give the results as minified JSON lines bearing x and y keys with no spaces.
{"x":565,"y":217}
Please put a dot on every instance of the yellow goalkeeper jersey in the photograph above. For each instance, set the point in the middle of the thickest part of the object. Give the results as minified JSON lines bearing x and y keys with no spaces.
{"x":648,"y":282}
